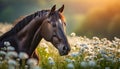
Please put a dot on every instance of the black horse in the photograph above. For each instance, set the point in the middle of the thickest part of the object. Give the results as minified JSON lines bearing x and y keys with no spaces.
{"x":27,"y":33}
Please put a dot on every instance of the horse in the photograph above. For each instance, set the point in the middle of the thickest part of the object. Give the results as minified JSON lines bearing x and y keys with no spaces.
{"x":27,"y":33}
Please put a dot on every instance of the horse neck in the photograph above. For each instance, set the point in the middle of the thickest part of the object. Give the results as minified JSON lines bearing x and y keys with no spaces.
{"x":29,"y":37}
{"x":25,"y":36}
{"x":35,"y":41}
{"x":21,"y":24}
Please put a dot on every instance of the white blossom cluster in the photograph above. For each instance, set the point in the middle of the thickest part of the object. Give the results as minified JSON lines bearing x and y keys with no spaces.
{"x":10,"y":59}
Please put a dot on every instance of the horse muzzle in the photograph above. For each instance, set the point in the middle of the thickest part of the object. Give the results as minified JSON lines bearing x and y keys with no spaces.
{"x":63,"y":50}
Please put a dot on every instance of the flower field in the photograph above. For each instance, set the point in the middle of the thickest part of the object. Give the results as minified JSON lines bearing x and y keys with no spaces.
{"x":86,"y":53}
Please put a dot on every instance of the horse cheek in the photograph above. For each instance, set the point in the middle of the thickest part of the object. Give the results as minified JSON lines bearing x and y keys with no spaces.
{"x":47,"y":32}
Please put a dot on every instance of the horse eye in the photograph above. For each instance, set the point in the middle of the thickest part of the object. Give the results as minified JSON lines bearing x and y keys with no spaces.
{"x":48,"y":21}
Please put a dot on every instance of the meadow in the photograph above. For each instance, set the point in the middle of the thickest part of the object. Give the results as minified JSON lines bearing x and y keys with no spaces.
{"x":86,"y":53}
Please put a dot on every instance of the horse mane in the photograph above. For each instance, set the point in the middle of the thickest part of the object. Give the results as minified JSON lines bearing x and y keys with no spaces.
{"x":22,"y":23}
{"x":18,"y":20}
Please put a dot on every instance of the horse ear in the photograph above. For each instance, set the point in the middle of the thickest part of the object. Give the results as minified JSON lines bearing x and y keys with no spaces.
{"x":52,"y":9}
{"x":61,"y":9}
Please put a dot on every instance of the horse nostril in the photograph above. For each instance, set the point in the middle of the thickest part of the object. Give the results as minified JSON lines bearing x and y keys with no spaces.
{"x":64,"y":48}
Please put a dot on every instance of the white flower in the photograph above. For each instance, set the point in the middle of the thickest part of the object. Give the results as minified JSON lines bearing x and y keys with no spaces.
{"x":18,"y":59}
{"x":12,"y":62}
{"x":23,"y":55}
{"x":107,"y":67}
{"x":82,"y":50}
{"x":73,"y":34}
{"x":116,"y":39}
{"x":70,"y":66}
{"x":102,"y":51}
{"x":51,"y":61}
{"x":114,"y":60}
{"x":44,"y":45}
{"x":91,"y":53}
{"x":32,"y":62}
{"x":95,"y":38}
{"x":11,"y":54}
{"x":74,"y":54}
{"x":26,"y":66}
{"x":10,"y":48}
{"x":1,"y":58}
{"x":7,"y":43}
{"x":119,"y":59}
{"x":83,"y":45}
{"x":84,"y":64}
{"x":77,"y":43}
{"x":92,"y":63}
{"x":50,"y":58}
{"x":104,"y":56}
{"x":2,"y":53}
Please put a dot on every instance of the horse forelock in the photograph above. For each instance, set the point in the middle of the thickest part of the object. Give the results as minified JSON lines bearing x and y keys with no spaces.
{"x":62,"y":17}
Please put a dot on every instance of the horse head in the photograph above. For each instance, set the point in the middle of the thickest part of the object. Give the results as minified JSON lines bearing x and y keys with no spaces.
{"x":53,"y":30}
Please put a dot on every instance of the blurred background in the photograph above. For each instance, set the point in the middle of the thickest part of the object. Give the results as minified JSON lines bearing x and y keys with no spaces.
{"x":89,"y":18}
